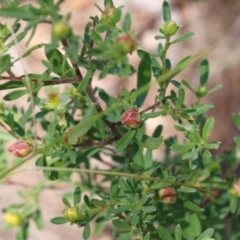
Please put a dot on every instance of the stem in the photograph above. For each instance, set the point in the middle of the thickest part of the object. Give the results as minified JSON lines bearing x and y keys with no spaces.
{"x":120,"y":174}
{"x":45,"y":82}
{"x":152,"y":107}
{"x":164,"y":82}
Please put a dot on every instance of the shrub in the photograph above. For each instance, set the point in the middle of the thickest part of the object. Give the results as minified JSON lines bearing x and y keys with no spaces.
{"x":186,"y":195}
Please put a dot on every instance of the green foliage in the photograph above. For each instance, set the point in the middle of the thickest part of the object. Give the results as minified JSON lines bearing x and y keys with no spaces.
{"x":185,"y":195}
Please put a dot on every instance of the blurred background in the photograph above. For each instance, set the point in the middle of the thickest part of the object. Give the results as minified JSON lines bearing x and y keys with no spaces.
{"x":216,"y":24}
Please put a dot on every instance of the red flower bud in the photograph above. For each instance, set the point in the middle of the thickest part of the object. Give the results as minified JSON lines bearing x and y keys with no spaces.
{"x":127,"y":42}
{"x":20,"y":149}
{"x":131,"y":118}
{"x":167,"y":195}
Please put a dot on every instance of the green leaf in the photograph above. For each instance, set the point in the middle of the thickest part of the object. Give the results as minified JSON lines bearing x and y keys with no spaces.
{"x":145,"y":56}
{"x":143,"y":81}
{"x":78,"y":130}
{"x":183,"y":38}
{"x":178,"y":232}
{"x":86,"y":232}
{"x":214,"y":89}
{"x":207,"y":128}
{"x":114,"y":187}
{"x":212,"y":145}
{"x":206,"y":234}
{"x":126,"y":23}
{"x":163,"y":184}
{"x":20,"y":12}
{"x":15,"y":95}
{"x":190,"y":205}
{"x":166,"y":11}
{"x":204,"y":71}
{"x":30,"y":50}
{"x":153,"y":114}
{"x":157,"y":132}
{"x":186,"y":84}
{"x":181,"y":97}
{"x":5,"y":63}
{"x":66,"y":202}
{"x":236,"y":120}
{"x":11,"y":84}
{"x":151,"y":142}
{"x":18,"y":38}
{"x":126,"y":236}
{"x":148,"y":209}
{"x":125,"y":140}
{"x":120,"y":224}
{"x":58,"y":220}
{"x":85,"y":81}
{"x":101,"y":27}
{"x":163,"y":233}
{"x":180,"y":66}
{"x":77,"y":196}
{"x":182,"y":148}
{"x":233,"y":204}
{"x":26,"y":116}
{"x":6,"y":136}
{"x":186,"y":189}
{"x":200,"y":109}
{"x":160,"y":37}
{"x":59,"y":63}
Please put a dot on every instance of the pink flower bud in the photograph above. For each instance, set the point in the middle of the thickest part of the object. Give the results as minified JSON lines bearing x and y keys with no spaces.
{"x":131,"y":118}
{"x":235,"y":189}
{"x":108,"y":14}
{"x":127,"y":42}
{"x":20,"y":149}
{"x":167,"y":195}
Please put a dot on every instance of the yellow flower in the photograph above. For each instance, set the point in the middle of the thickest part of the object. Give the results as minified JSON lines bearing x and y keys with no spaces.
{"x":13,"y":219}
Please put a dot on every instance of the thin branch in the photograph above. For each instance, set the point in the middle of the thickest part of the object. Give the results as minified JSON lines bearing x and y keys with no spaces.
{"x":152,"y":107}
{"x":45,"y":82}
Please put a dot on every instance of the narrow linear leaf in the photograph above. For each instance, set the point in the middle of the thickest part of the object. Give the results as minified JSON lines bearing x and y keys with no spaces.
{"x":164,"y":234}
{"x":58,"y":220}
{"x":151,"y":142}
{"x":86,"y":232}
{"x":201,"y":109}
{"x":143,"y":80}
{"x":178,"y":232}
{"x":120,"y":224}
{"x":15,"y":95}
{"x":11,"y":84}
{"x":182,"y":148}
{"x":206,"y":234}
{"x":77,"y":196}
{"x":204,"y":72}
{"x":79,"y":130}
{"x":207,"y":128}
{"x":5,"y":63}
{"x":183,"y":38}
{"x":125,"y":140}
{"x":180,"y":66}
{"x":166,"y":11}
{"x":126,"y":23}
